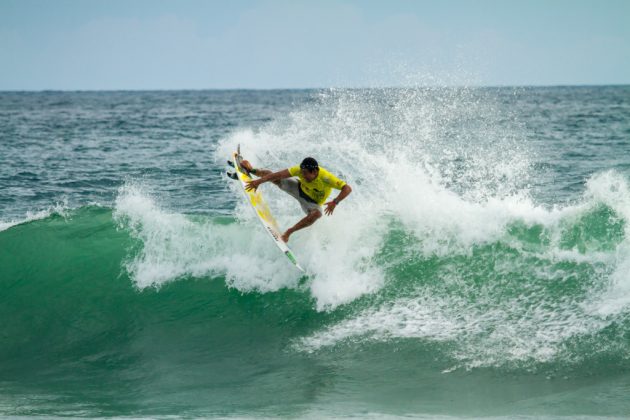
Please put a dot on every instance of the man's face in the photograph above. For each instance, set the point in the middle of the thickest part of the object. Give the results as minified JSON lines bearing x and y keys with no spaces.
{"x":310,"y":175}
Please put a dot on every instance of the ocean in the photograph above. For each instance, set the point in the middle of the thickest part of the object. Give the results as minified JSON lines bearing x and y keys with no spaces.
{"x":480,"y":267}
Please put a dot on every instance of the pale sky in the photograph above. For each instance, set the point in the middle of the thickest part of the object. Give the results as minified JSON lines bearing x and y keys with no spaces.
{"x":263,"y":44}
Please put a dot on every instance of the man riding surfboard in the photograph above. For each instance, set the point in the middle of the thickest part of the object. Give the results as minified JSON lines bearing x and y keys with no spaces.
{"x":311,"y":189}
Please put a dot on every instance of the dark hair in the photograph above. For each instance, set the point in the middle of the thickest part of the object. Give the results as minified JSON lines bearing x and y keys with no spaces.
{"x":309,"y":163}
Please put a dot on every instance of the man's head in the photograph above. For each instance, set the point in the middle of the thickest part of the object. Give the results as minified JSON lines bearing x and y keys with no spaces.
{"x":310,"y":169}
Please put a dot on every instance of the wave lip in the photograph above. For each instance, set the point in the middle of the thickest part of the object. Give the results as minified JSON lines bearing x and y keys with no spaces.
{"x":60,"y":209}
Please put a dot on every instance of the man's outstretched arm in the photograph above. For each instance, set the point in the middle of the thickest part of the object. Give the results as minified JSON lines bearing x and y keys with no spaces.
{"x":274,"y":176}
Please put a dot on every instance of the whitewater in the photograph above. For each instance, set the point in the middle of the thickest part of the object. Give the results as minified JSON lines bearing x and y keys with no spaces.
{"x":481,"y":266}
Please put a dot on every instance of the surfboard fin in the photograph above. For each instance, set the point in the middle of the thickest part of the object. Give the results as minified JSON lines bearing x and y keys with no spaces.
{"x":232,"y":175}
{"x":229,"y":162}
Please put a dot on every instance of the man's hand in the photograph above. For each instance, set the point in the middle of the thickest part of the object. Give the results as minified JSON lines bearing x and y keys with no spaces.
{"x":330,"y":207}
{"x":253,"y":185}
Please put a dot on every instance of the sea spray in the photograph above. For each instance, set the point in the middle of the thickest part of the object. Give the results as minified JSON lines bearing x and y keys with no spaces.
{"x":173,"y":246}
{"x":386,"y":144}
{"x":435,"y":164}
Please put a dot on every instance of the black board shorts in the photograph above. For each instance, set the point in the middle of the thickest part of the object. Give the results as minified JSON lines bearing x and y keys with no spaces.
{"x":292,"y":187}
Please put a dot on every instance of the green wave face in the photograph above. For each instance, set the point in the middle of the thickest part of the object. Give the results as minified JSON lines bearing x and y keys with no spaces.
{"x":535,"y":303}
{"x":79,"y":327}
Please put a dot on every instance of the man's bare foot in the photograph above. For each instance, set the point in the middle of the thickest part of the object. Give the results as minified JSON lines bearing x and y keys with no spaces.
{"x":285,"y":237}
{"x":248,"y":166}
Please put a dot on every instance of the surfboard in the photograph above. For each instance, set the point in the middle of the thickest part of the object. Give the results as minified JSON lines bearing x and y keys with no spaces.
{"x":257,"y":201}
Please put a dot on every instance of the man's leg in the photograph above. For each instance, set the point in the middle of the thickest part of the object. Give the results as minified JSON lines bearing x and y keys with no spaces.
{"x":310,"y":218}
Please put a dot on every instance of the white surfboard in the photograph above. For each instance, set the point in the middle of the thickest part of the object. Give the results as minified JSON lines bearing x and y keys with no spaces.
{"x":261,"y":208}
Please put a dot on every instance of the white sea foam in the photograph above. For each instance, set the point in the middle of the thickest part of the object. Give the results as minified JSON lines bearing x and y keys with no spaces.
{"x":60,"y":208}
{"x":488,"y":329}
{"x":451,"y":193}
{"x":422,"y":317}
{"x":482,"y":332}
{"x":174,"y":246}
{"x":388,"y":158}
{"x":391,"y":147}
{"x":611,"y":189}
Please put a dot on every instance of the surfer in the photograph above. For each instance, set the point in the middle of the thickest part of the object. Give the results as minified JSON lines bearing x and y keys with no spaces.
{"x":311,"y":189}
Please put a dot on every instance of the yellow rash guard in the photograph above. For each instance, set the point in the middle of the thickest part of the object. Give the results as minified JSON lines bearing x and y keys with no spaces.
{"x":319,"y":188}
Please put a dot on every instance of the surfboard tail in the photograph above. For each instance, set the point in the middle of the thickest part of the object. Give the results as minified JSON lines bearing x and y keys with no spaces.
{"x":291,"y":258}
